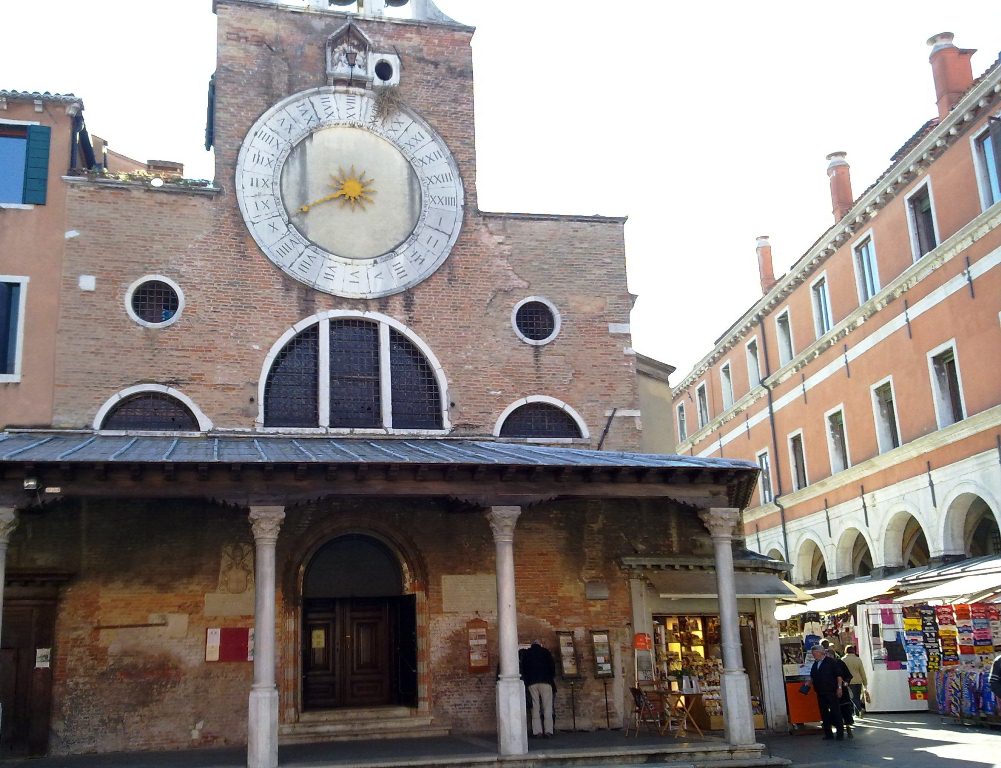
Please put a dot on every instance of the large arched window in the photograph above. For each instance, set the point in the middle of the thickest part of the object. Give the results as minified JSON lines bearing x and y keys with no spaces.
{"x":353,"y":371}
{"x":540,"y":418}
{"x":150,"y":412}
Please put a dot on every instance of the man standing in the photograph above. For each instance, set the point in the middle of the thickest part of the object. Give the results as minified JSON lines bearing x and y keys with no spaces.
{"x":858,"y":677}
{"x":828,"y":684}
{"x":538,"y":671}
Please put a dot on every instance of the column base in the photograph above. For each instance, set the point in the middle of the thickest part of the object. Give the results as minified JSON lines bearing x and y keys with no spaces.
{"x":262,"y":728}
{"x":738,"y":718}
{"x":512,"y":717}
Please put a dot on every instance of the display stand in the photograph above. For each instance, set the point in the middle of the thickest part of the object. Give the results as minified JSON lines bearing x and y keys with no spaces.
{"x":602,"y":649}
{"x":569,"y":667}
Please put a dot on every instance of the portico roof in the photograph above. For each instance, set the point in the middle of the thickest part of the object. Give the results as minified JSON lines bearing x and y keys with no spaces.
{"x":518,"y":467}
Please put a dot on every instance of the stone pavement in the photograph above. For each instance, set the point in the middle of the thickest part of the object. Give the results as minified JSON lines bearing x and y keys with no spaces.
{"x":909,"y":740}
{"x":902,"y":740}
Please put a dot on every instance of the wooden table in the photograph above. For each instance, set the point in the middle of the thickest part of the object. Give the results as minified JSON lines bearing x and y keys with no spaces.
{"x":683,"y":704}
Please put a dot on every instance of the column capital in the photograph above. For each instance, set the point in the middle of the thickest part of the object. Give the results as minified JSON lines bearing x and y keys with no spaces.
{"x":502,"y":521}
{"x":265,"y":522}
{"x":8,"y":522}
{"x":720,"y":521}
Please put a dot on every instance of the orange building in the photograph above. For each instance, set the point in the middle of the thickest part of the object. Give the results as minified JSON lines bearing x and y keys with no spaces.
{"x":863,"y":381}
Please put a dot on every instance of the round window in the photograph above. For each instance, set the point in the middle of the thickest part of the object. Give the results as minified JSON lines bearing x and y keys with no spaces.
{"x":536,"y":320}
{"x":154,"y":301}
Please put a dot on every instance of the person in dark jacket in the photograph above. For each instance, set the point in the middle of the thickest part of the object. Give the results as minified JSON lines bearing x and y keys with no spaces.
{"x":827,"y":682}
{"x":538,"y":671}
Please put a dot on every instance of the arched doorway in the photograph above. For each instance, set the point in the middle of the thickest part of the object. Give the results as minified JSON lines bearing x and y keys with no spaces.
{"x":981,"y":533}
{"x":914,"y":545}
{"x":811,"y":565}
{"x":359,"y":628}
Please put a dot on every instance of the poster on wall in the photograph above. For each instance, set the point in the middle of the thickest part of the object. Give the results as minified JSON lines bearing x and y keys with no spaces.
{"x":568,"y":655}
{"x":479,"y":654}
{"x":602,"y":653}
{"x":229,"y":644}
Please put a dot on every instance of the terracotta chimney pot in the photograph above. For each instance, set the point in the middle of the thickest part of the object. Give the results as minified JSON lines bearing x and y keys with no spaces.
{"x":839,"y":172}
{"x":951,"y":69}
{"x":766,"y":272}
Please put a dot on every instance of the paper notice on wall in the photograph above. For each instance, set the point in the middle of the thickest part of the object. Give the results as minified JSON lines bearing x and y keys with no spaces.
{"x":213,"y":641}
{"x":43,"y":658}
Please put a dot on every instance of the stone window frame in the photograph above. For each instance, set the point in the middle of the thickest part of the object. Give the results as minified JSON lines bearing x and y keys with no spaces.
{"x":867,"y":238}
{"x":147,"y":279}
{"x":557,"y":321}
{"x":204,"y":422}
{"x":980,"y":166}
{"x":585,"y":433}
{"x":682,"y":421}
{"x":840,"y":408}
{"x":763,"y":475}
{"x":373,"y":317}
{"x":912,"y":224}
{"x":793,"y":463}
{"x":820,"y":303}
{"x":22,"y":303}
{"x":940,"y":396}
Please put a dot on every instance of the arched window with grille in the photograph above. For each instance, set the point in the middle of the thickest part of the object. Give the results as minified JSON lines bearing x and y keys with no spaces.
{"x":346,"y":370}
{"x":149,"y":411}
{"x":540,"y":418}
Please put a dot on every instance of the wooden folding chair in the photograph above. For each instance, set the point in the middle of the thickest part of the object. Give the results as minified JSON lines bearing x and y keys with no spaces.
{"x":646,"y":714}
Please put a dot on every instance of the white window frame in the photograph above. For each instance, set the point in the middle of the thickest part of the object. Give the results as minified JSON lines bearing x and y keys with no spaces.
{"x":766,"y":494}
{"x":912,"y":229}
{"x":682,"y":423}
{"x":22,"y":303}
{"x":792,"y":460}
{"x":980,"y":168}
{"x":778,"y":337}
{"x":823,"y":317}
{"x":882,"y":434}
{"x":937,"y":394}
{"x":859,"y":273}
{"x":557,"y":321}
{"x":726,"y":384}
{"x":840,"y":408}
{"x":755,"y":380}
{"x":702,"y":399}
{"x":585,"y":433}
{"x":323,"y":394}
{"x":147,"y":279}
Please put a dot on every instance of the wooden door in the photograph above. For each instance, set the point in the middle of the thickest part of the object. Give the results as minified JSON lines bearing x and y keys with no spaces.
{"x":346,"y":653}
{"x":25,"y":679}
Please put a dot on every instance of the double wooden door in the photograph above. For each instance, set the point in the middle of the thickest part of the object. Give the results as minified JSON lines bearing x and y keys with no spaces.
{"x":26,"y":676}
{"x":359,"y":652}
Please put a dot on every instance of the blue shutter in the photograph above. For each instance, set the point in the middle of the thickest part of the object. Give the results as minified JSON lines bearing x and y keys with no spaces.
{"x":36,"y":166}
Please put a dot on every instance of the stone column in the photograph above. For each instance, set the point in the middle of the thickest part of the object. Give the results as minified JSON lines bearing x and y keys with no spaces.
{"x":8,"y":522}
{"x":735,"y":691}
{"x":512,"y":723}
{"x":262,"y":719}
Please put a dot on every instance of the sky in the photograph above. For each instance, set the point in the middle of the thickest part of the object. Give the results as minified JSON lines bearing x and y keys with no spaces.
{"x":707,"y":124}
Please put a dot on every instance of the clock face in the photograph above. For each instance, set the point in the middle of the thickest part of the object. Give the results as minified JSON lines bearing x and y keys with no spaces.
{"x":344,"y":201}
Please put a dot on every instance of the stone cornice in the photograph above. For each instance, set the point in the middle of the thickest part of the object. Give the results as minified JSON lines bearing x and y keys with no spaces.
{"x":857,"y":473}
{"x":955,"y":245}
{"x":890,"y":184}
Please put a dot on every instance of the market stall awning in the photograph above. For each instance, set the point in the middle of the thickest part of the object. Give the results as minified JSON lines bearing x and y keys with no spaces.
{"x":798,"y":595}
{"x":848,"y":594}
{"x":957,"y":590}
{"x":703,"y":584}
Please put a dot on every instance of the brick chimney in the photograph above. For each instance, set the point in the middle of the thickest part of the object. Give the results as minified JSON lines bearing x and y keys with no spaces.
{"x":952,"y":70}
{"x":839,"y":172}
{"x":765,"y":271}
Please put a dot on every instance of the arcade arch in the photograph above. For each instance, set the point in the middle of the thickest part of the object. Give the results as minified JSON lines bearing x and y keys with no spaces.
{"x":970,"y":525}
{"x":811,"y":565}
{"x":904,"y":542}
{"x":854,"y":555}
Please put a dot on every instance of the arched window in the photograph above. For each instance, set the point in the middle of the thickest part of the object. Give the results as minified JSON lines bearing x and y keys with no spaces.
{"x":151,"y":412}
{"x":540,"y":420}
{"x":352,"y":372}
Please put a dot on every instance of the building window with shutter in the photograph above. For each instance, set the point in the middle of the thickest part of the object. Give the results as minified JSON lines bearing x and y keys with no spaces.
{"x":866,"y":272}
{"x":12,"y":299}
{"x":753,"y":366}
{"x":682,"y":426}
{"x":821,"y":299}
{"x":24,"y":163}
{"x":726,"y":382}
{"x":837,"y":441}
{"x":765,"y":477}
{"x":797,"y":461}
{"x":946,"y":388}
{"x":921,"y":221}
{"x":987,"y":160}
{"x":885,"y":414}
{"x":702,"y":402}
{"x":783,"y":329}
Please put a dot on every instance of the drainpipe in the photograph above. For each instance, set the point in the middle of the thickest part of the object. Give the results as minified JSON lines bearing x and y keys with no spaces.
{"x":776,"y":467}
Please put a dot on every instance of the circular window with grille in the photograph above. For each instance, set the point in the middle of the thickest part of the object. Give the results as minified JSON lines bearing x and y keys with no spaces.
{"x":154,"y":301}
{"x":535,"y":320}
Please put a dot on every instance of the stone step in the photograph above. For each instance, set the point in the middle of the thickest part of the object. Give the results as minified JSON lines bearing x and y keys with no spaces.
{"x":344,"y":725}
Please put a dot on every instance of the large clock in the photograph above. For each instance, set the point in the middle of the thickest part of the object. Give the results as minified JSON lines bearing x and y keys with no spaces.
{"x":347,"y":200}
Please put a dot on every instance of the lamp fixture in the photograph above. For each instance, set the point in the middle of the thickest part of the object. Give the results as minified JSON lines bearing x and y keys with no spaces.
{"x":31,"y":483}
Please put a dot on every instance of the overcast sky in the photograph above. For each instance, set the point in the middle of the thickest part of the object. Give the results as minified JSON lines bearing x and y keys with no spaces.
{"x":706,"y":123}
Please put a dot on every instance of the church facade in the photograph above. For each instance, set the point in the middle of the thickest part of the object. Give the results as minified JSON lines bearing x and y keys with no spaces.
{"x":311,"y":449}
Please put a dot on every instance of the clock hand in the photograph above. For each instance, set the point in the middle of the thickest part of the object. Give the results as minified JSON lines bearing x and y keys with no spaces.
{"x":305,"y":208}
